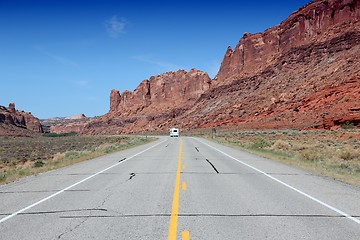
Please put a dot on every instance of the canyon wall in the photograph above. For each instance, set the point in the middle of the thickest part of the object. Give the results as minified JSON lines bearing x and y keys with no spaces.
{"x":160,"y":93}
{"x":316,"y":22}
{"x":12,"y":121}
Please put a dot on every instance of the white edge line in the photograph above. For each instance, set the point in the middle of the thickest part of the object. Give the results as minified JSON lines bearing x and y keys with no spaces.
{"x":287,"y":185}
{"x":71,"y":186}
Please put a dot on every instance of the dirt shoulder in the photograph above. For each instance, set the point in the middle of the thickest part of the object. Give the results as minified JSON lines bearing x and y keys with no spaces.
{"x":24,"y":156}
{"x":335,"y":154}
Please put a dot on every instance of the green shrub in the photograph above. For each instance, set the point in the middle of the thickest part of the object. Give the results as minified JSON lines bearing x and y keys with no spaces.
{"x":3,"y":177}
{"x":348,"y":125}
{"x":310,"y":155}
{"x":72,"y":155}
{"x":39,"y":163}
{"x":348,"y":153}
{"x":260,"y":143}
{"x":68,"y":134}
{"x":23,"y":172}
{"x":109,"y":149}
{"x":281,"y":145}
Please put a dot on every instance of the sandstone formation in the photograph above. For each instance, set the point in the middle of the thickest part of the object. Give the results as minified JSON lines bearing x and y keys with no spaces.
{"x":303,"y":73}
{"x":76,"y":117}
{"x":290,"y":71}
{"x":161,"y":93}
{"x":153,"y":104}
{"x":65,"y":124}
{"x":14,"y":122}
{"x":315,"y":23}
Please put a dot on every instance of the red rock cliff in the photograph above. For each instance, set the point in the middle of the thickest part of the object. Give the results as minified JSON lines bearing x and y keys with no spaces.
{"x":12,"y":120}
{"x":316,"y":22}
{"x":165,"y":91}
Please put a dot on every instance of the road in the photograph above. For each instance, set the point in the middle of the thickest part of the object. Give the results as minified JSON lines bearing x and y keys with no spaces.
{"x":179,"y":188}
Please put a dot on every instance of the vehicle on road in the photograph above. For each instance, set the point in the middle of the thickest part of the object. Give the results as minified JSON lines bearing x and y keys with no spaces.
{"x":174,"y":132}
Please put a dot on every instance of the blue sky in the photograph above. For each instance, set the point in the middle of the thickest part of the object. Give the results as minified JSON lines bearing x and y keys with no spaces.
{"x":61,"y":58}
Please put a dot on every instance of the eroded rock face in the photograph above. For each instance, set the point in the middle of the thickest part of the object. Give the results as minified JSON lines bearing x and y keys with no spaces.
{"x":317,"y":22}
{"x":12,"y":121}
{"x":153,"y":105}
{"x":166,"y":91}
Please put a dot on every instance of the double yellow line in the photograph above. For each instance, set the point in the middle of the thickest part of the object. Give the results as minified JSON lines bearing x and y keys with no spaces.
{"x":175,"y":204}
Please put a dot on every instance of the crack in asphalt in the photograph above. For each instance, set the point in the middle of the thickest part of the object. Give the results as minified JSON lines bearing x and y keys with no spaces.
{"x":132,"y":175}
{"x":98,"y":208}
{"x":72,"y":229}
{"x":234,"y":173}
{"x":212,"y":165}
{"x":69,"y":174}
{"x":45,"y":191}
{"x":87,"y":217}
{"x":64,"y":211}
{"x":58,"y":211}
{"x":210,"y":215}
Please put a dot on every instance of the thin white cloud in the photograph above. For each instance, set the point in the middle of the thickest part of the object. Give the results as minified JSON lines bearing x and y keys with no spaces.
{"x":83,"y":84}
{"x":63,"y":60}
{"x":164,"y":64}
{"x":60,"y":59}
{"x":115,"y":26}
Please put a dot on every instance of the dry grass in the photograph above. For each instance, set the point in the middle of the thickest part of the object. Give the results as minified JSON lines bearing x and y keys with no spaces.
{"x":21,"y":157}
{"x":335,"y":154}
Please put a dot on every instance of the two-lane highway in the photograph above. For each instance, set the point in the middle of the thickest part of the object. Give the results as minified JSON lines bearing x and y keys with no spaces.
{"x":179,"y":188}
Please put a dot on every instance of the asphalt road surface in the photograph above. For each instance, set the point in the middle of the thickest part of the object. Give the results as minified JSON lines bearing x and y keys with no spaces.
{"x":179,"y":188}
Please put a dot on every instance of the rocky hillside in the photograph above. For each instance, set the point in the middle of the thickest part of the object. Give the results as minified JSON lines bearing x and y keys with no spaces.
{"x":318,"y":23}
{"x":18,"y":123}
{"x":303,"y":73}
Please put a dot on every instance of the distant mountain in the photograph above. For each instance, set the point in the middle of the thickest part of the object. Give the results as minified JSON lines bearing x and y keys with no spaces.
{"x":65,"y":124}
{"x":77,"y":116}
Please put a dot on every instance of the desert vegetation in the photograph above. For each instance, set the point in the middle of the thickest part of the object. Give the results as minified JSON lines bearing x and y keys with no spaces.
{"x":335,"y":154}
{"x":24,"y":156}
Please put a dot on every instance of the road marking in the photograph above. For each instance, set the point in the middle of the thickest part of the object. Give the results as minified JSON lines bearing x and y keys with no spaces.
{"x":185,"y":235}
{"x":71,"y":186}
{"x":288,"y":186}
{"x":175,"y":204}
{"x":183,"y":186}
{"x":183,"y":166}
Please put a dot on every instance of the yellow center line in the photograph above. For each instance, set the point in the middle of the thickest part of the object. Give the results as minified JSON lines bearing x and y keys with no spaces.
{"x":183,"y":186}
{"x":185,"y":235}
{"x":175,"y":204}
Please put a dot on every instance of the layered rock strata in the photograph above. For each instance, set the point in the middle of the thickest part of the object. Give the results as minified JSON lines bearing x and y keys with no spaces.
{"x":314,"y":23}
{"x":12,"y":120}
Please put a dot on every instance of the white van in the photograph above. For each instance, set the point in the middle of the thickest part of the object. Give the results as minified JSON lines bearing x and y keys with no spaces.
{"x":174,"y":132}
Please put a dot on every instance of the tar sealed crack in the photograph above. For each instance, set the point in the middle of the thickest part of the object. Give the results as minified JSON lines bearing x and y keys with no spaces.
{"x":212,"y":165}
{"x":64,"y":211}
{"x":132,"y":175}
{"x":74,"y":228}
{"x":210,"y":215}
